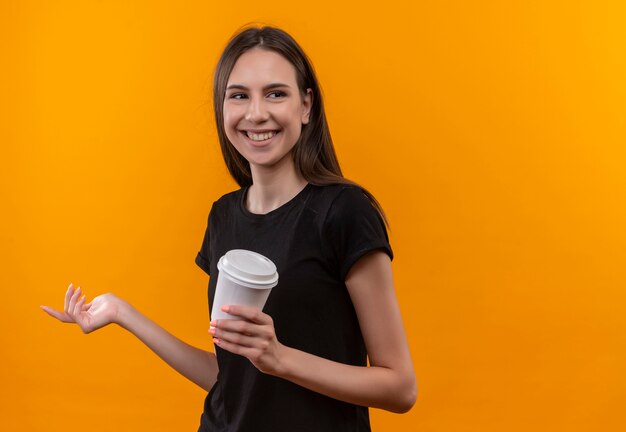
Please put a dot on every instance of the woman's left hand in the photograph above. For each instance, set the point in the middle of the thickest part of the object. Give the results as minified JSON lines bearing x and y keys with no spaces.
{"x":253,"y":337}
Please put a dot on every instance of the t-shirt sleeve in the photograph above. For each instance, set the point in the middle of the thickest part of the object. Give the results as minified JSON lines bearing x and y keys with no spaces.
{"x":203,"y":258}
{"x":355,"y":228}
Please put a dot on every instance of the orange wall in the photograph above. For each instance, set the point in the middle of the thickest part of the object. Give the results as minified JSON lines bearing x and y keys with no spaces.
{"x":492,"y":132}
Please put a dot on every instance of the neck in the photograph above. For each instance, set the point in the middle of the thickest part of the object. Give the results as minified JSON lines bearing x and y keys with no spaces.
{"x":272,"y":187}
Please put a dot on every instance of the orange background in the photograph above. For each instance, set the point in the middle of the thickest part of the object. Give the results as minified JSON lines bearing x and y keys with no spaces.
{"x":493,"y":133}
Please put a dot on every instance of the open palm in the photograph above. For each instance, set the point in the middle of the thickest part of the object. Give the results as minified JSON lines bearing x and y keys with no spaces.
{"x":102,"y":310}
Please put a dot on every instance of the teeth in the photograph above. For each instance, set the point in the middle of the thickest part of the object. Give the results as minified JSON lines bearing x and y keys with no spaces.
{"x":260,"y":137}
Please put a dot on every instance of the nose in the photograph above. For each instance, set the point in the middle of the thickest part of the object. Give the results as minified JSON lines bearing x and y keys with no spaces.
{"x":257,"y":111}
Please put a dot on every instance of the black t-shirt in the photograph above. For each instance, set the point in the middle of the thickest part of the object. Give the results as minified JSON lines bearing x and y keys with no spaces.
{"x":314,"y":239}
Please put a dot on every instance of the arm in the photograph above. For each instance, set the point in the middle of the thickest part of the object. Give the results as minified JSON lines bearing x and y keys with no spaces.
{"x":389,"y":382}
{"x":197,"y":365}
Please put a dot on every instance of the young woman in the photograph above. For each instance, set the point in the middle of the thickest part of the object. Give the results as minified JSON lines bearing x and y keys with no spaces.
{"x":301,"y":364}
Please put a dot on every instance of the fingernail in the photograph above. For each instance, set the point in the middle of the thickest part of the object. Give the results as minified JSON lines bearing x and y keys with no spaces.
{"x":216,"y":341}
{"x":225,"y":308}
{"x":70,"y":286}
{"x":212,"y":330}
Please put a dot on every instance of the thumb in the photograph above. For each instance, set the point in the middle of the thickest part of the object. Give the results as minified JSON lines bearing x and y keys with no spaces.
{"x":61,"y":316}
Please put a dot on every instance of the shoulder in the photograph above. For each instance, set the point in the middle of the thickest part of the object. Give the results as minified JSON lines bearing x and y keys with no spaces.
{"x":224,"y":207}
{"x":339,"y":199}
{"x":230,"y":197}
{"x":340,"y":206}
{"x":338,"y":195}
{"x":227,"y":200}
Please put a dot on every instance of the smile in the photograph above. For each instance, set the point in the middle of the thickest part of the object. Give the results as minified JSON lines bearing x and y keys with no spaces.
{"x":260,"y":136}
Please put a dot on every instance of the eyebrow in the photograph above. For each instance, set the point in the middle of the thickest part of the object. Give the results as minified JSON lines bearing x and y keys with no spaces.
{"x":265,"y":88}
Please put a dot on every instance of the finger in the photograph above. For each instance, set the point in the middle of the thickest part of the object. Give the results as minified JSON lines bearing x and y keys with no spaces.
{"x":68,"y":296}
{"x":249,"y":313}
{"x":73,"y":301}
{"x":238,"y":326}
{"x":235,"y":338}
{"x":79,"y":305}
{"x":61,"y":316}
{"x":234,"y":348}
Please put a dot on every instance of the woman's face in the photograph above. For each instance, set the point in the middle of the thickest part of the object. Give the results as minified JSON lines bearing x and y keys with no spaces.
{"x":263,"y":108}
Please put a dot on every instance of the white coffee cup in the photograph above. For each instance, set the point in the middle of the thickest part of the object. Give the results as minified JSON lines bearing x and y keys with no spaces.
{"x":245,"y":278}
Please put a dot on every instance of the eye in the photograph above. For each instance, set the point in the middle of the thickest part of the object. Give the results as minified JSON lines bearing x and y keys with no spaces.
{"x":276,"y":94}
{"x":237,"y":96}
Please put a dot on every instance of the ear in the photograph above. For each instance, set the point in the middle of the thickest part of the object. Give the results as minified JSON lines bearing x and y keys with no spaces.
{"x":307,"y":103}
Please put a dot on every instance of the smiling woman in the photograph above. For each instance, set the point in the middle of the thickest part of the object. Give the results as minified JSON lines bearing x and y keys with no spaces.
{"x":264,"y":111}
{"x":329,"y":342}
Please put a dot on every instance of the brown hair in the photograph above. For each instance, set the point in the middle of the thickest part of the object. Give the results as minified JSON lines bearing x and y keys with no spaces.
{"x":314,"y":155}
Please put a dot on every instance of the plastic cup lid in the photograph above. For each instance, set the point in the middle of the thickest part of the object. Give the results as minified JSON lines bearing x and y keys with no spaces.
{"x":249,"y":268}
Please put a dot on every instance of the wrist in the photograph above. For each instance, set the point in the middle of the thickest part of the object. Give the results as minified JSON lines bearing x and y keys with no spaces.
{"x":125,"y":315}
{"x":283,"y":369}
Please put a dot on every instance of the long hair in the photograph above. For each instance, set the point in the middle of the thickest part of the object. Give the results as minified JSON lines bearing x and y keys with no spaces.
{"x":313,"y":154}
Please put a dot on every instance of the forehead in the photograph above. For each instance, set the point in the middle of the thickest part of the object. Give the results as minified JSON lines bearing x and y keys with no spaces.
{"x":258,"y":66}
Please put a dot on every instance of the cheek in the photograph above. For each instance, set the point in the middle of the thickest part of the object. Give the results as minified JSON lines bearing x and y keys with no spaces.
{"x":290,"y":118}
{"x":228,"y":118}
{"x":230,"y":126}
{"x":232,"y":115}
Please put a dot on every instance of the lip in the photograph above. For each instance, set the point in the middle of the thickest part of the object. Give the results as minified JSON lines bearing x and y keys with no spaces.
{"x":258,"y":131}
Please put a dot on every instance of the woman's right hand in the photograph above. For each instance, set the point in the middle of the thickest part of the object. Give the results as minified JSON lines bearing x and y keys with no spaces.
{"x":102,"y":310}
